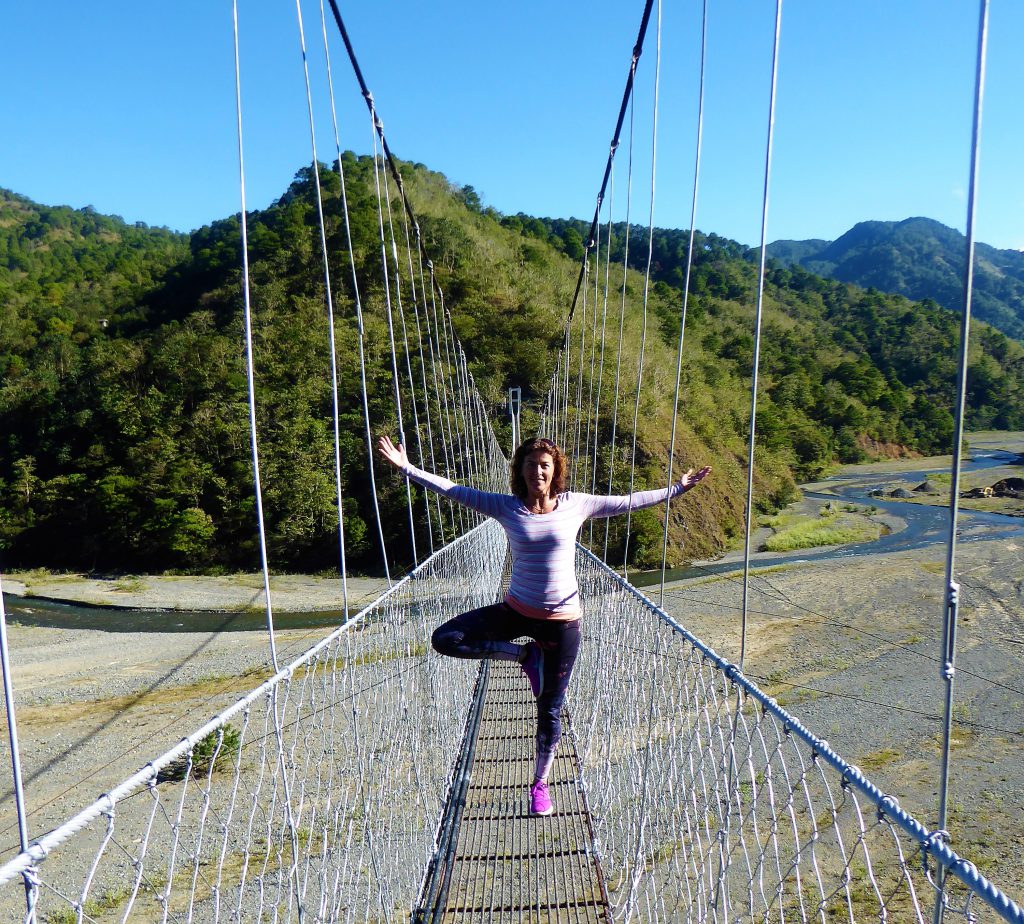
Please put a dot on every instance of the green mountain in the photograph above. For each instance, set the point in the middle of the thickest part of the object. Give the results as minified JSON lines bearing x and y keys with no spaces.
{"x":123,"y":416}
{"x":918,"y":258}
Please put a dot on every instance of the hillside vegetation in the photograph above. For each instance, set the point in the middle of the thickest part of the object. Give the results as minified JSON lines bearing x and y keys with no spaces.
{"x":125,"y":442}
{"x":919,"y":258}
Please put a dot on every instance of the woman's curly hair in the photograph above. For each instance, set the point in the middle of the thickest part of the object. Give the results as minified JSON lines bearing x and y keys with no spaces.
{"x":538,"y":444}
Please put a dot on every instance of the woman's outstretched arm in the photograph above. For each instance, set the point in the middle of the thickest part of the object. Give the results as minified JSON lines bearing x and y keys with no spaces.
{"x":616,"y":504}
{"x":483,"y":501}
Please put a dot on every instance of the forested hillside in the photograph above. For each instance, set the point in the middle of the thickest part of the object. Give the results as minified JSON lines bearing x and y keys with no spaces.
{"x":845,"y":367}
{"x":919,"y":258}
{"x":124,"y":442}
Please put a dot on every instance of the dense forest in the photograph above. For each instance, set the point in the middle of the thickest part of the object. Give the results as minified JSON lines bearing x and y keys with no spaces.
{"x":125,"y":445}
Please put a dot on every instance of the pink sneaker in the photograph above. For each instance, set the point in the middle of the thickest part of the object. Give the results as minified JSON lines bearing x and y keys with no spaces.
{"x":533,"y":667}
{"x":540,"y":801}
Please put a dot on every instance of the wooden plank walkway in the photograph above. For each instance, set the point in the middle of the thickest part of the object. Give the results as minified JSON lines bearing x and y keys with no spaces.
{"x":501,"y":863}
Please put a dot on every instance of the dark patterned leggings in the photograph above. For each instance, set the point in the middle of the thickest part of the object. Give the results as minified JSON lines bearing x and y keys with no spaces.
{"x":488,"y":633}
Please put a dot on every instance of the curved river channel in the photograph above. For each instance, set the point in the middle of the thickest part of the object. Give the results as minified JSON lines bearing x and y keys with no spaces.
{"x":925,"y":526}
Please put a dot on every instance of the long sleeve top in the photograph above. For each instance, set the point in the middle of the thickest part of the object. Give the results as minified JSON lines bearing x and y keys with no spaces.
{"x":543,"y":545}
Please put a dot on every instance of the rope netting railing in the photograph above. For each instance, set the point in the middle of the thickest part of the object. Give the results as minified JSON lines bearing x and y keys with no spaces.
{"x":712,"y":803}
{"x":314,"y":797}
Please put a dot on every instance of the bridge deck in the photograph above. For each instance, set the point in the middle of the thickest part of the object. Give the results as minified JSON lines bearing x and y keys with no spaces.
{"x":504,"y":864}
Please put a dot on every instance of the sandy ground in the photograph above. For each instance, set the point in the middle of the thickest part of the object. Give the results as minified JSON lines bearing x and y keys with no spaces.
{"x":851,"y":647}
{"x":853,"y":650}
{"x":293,"y":593}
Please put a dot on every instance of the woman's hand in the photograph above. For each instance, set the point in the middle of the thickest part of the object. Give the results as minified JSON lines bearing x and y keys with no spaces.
{"x":394,"y":454}
{"x":691,"y":479}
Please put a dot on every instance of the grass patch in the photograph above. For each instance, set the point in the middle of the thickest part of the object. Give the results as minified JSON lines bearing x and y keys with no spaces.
{"x":214,"y":747}
{"x":98,"y":710}
{"x":93,"y":907}
{"x":129,"y":584}
{"x":878,"y":759}
{"x":827,"y":529}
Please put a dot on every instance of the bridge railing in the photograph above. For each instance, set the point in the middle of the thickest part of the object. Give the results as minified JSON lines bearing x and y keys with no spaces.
{"x":713,"y":804}
{"x":314,"y":797}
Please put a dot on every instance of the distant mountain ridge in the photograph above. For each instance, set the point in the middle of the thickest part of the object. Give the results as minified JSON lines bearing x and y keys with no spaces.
{"x":919,"y":258}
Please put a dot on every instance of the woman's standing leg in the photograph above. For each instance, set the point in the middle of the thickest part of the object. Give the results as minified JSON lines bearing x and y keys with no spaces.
{"x":560,"y":642}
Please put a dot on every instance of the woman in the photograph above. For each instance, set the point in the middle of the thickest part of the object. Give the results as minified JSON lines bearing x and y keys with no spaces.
{"x":542,"y":521}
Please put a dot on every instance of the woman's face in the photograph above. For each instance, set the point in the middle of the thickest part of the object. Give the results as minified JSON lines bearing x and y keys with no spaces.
{"x":538,"y":470}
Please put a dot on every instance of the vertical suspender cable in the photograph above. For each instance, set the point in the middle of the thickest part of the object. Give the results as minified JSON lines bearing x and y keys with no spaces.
{"x":622,"y":318}
{"x":721,"y":892}
{"x":423,"y":375}
{"x":604,"y":328}
{"x":686,"y":290}
{"x":12,"y":737}
{"x":329,"y":298}
{"x":593,"y":366}
{"x":578,"y":431}
{"x":447,"y":434}
{"x":250,"y":376}
{"x":457,"y":446}
{"x":356,"y":298}
{"x":377,"y":167}
{"x":655,"y":680}
{"x":565,"y":391}
{"x":757,"y":334}
{"x":627,"y":96}
{"x":952,"y":601}
{"x":647,"y":286}
{"x":405,"y":343}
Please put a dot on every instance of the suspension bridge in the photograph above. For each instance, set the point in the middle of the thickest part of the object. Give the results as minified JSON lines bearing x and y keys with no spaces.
{"x":370,"y":780}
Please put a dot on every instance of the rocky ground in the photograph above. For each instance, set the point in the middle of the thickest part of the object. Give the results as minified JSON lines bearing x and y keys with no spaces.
{"x":237,"y":593}
{"x":852,"y":648}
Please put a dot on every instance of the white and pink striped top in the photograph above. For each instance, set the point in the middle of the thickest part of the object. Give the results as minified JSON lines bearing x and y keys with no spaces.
{"x":543,"y":545}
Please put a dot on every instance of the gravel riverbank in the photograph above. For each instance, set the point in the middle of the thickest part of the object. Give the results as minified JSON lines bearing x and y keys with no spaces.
{"x":296,"y":593}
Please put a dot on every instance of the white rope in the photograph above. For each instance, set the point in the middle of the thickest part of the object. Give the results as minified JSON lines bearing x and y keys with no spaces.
{"x":686,"y":291}
{"x":749,"y":515}
{"x":647,"y":287}
{"x":333,"y":348}
{"x":249,"y":361}
{"x":416,"y":304}
{"x":378,"y":166}
{"x":447,"y":432}
{"x":420,"y":456}
{"x":328,"y":295}
{"x":604,"y":327}
{"x":577,"y":433}
{"x":622,"y":318}
{"x":357,"y":302}
{"x":952,"y":589}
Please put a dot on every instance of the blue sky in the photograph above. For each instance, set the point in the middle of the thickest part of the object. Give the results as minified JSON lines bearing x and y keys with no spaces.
{"x":129,"y":107}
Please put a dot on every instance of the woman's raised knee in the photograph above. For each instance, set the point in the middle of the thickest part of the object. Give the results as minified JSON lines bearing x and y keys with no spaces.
{"x":444,"y":641}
